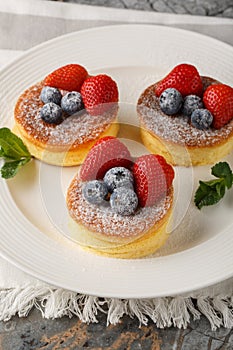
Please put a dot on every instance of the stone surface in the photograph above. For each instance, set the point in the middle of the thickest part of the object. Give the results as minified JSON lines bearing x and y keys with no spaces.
{"x":222,"y":8}
{"x":35,"y":332}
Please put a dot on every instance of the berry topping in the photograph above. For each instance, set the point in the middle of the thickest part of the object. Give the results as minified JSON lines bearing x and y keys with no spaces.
{"x":201,"y":119}
{"x":118,"y":177}
{"x":185,"y":78}
{"x":218,"y":99}
{"x":50,"y":94}
{"x":153,"y":176}
{"x":124,"y":201}
{"x":72,"y":102}
{"x":108,"y":152}
{"x":69,"y":77}
{"x":170,"y":101}
{"x":51,"y":113}
{"x":97,"y":92}
{"x":191,"y":102}
{"x":95,"y":191}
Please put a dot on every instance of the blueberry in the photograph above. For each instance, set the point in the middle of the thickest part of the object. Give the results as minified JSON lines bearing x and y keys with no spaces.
{"x":72,"y":102}
{"x":118,"y":177}
{"x":50,"y":94}
{"x":191,"y":102}
{"x":201,"y":119}
{"x":170,"y":101}
{"x":124,"y":201}
{"x":51,"y":113}
{"x":95,"y":191}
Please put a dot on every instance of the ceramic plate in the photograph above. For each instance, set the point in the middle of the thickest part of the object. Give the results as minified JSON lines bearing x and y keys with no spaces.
{"x":33,"y":216}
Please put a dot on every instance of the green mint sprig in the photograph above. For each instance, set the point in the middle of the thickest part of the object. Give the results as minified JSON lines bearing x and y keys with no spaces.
{"x":210,"y":192}
{"x":14,"y":153}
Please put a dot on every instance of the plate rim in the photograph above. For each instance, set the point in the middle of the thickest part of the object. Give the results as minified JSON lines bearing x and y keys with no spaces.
{"x":112,"y":26}
{"x":90,"y":30}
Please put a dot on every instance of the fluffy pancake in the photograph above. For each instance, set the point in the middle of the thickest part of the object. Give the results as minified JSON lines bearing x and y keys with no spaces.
{"x":100,"y":230}
{"x":175,"y":138}
{"x":64,"y":144}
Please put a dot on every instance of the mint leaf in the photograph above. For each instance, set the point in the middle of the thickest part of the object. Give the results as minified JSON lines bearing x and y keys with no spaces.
{"x":223,"y":170}
{"x":209,"y":193}
{"x":12,"y":147}
{"x":10,"y":169}
{"x":212,"y":191}
{"x":14,"y":153}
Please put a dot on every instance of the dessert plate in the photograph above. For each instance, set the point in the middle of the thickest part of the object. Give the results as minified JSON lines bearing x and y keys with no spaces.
{"x":32,"y":216}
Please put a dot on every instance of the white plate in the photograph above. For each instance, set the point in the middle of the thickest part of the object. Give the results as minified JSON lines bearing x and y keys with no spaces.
{"x":198,"y":253}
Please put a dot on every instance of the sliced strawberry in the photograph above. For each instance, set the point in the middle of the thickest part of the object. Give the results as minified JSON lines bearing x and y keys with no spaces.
{"x":153,"y":176}
{"x":218,"y":99}
{"x":106,"y":153}
{"x":97,"y":92}
{"x":69,"y":77}
{"x":184,"y":78}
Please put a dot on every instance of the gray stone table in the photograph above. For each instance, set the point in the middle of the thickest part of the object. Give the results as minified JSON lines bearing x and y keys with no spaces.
{"x":34,"y":332}
{"x":222,"y":8}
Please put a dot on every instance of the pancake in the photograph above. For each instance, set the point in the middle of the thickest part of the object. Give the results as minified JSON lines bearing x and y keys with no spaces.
{"x":66,"y":143}
{"x":99,"y":229}
{"x":175,"y":138}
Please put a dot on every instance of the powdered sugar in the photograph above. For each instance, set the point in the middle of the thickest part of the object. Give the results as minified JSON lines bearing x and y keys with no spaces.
{"x":177,"y":128}
{"x":75,"y":129}
{"x":102,"y":219}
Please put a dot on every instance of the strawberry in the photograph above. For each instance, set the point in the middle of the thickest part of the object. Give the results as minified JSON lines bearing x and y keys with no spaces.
{"x":184,"y":78}
{"x":153,"y":176}
{"x":218,"y":99}
{"x":97,"y":91}
{"x":108,"y":152}
{"x":69,"y":77}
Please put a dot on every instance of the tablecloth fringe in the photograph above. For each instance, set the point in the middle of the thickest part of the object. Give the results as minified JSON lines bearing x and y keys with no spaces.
{"x":164,"y":312}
